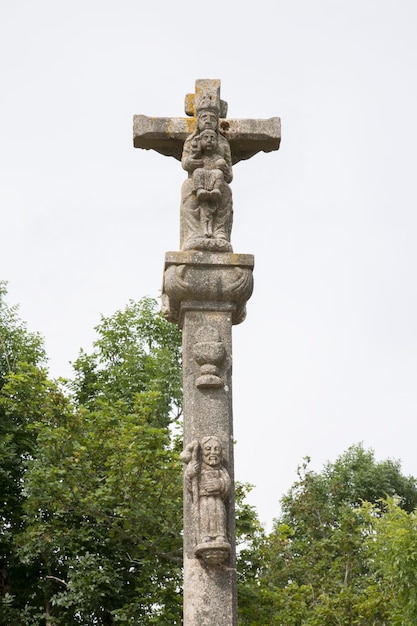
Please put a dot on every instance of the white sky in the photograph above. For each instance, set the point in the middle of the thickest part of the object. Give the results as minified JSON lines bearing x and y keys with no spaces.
{"x":328,"y":354}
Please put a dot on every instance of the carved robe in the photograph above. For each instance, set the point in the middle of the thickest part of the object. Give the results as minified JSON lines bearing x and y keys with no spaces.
{"x":214,"y":486}
{"x":192,"y":232}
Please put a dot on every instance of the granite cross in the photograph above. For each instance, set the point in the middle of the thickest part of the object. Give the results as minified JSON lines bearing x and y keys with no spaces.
{"x":205,"y":290}
{"x":167,"y":134}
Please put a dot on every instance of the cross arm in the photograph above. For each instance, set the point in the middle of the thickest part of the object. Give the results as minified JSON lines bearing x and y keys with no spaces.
{"x":166,"y":135}
{"x":248,"y":137}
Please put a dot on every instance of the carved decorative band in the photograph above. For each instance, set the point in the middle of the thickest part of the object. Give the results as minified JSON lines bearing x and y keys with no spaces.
{"x":206,"y":281}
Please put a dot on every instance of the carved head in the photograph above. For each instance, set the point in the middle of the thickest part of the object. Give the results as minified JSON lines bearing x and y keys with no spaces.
{"x":212,"y":451}
{"x":207,"y":119}
{"x":208,"y":140}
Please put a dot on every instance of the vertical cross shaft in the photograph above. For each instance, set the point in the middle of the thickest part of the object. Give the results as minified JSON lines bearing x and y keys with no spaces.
{"x":207,"y":293}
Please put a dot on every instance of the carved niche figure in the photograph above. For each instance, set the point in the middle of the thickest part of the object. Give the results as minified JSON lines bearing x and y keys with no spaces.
{"x":206,"y":197}
{"x":208,"y":482}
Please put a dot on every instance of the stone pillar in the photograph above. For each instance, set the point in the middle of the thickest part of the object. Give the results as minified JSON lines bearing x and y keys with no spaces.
{"x":205,"y":293}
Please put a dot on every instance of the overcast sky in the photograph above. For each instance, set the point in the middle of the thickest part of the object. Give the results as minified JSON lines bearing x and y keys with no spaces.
{"x":328,"y":354}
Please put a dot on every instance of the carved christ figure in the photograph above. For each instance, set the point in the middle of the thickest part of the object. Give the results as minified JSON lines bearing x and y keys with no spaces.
{"x":208,"y":180}
{"x":206,"y":197}
{"x":208,"y":482}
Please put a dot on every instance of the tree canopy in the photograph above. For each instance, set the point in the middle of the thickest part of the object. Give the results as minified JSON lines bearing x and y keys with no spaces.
{"x":92,"y":511}
{"x":318,"y":566}
{"x":91,"y":500}
{"x":22,"y":358}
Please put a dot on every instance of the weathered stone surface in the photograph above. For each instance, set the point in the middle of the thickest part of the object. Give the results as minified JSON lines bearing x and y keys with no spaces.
{"x":206,"y":281}
{"x":208,"y":145}
{"x":206,"y":197}
{"x":208,"y":483}
{"x":205,"y":290}
{"x":209,"y":555}
{"x":167,"y":135}
{"x":206,"y":293}
{"x":209,"y":353}
{"x":206,"y":96}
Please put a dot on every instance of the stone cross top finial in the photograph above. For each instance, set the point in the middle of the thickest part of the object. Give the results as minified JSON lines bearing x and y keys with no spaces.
{"x":208,"y":145}
{"x":206,"y":96}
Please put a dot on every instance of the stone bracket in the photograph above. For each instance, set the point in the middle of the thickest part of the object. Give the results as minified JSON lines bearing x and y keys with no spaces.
{"x":207,"y":281}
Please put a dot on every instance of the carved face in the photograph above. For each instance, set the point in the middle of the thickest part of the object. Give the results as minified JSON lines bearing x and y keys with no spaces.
{"x":212,"y":452}
{"x":207,"y":119}
{"x":208,"y":141}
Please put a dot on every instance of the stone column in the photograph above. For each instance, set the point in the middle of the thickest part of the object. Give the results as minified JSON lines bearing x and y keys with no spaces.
{"x":205,"y":293}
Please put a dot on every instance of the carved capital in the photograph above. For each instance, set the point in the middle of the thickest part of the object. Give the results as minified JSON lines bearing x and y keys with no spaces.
{"x":195,"y":280}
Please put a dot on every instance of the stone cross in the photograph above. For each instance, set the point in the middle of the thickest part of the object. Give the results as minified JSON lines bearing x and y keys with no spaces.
{"x":205,"y":290}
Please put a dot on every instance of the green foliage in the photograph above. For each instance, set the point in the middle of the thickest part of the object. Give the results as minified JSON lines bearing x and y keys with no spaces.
{"x":136,"y":351}
{"x":91,"y":482}
{"x":315,"y":567}
{"x":391,"y":541}
{"x":104,"y":515}
{"x":22,"y":382}
{"x":17,"y":344}
{"x":250,"y":540}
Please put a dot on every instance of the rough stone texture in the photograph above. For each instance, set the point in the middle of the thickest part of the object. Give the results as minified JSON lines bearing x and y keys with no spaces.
{"x":208,"y":145}
{"x":166,"y":135}
{"x":206,"y":280}
{"x":206,"y":198}
{"x":209,"y":592}
{"x":205,"y":294}
{"x":205,"y":290}
{"x":208,"y":483}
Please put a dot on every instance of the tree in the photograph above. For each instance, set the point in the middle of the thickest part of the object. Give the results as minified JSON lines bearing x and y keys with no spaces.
{"x":314,"y":567}
{"x":17,"y":344}
{"x":104,"y":516}
{"x":391,"y":541}
{"x":22,"y":380}
{"x":94,"y":530}
{"x":103,"y":512}
{"x":136,"y":351}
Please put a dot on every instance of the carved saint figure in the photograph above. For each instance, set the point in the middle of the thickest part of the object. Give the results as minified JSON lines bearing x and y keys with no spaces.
{"x":208,"y":482}
{"x":206,"y":197}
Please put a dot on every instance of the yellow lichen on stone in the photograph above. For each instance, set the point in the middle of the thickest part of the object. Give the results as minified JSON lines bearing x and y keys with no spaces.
{"x":191,"y":123}
{"x":190,"y":104}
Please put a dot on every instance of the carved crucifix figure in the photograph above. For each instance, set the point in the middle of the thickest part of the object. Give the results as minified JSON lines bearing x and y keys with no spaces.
{"x":206,"y":198}
{"x":208,"y":144}
{"x":205,"y":290}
